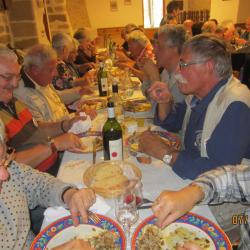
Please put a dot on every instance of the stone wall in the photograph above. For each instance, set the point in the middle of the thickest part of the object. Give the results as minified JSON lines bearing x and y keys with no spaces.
{"x":58,"y":16}
{"x":78,"y":14}
{"x":25,"y":22}
{"x":4,"y":29}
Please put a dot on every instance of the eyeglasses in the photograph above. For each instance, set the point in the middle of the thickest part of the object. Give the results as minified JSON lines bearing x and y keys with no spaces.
{"x":183,"y":64}
{"x":11,"y":152}
{"x":10,"y":77}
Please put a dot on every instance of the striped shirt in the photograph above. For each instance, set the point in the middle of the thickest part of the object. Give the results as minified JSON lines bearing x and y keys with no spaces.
{"x":229,"y":184}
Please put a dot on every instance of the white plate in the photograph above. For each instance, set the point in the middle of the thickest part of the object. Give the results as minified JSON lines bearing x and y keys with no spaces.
{"x":83,"y":231}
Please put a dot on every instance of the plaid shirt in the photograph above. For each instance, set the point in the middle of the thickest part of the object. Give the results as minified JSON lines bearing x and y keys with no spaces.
{"x":229,"y":184}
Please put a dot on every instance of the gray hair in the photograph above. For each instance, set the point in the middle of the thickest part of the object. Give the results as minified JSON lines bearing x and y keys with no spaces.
{"x":8,"y":54}
{"x":208,"y":27}
{"x":174,"y":35}
{"x":38,"y":56}
{"x":138,"y":36}
{"x":208,"y":46}
{"x":61,"y":40}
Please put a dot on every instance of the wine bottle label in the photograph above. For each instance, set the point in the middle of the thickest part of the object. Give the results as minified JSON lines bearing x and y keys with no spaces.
{"x":115,"y":149}
{"x":111,"y":112}
{"x":104,"y":83}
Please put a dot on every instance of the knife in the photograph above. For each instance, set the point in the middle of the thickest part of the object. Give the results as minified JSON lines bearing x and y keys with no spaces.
{"x":144,"y":207}
{"x":94,"y":151}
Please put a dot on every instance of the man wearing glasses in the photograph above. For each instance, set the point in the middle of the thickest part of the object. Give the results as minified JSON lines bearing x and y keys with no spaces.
{"x":214,"y":120}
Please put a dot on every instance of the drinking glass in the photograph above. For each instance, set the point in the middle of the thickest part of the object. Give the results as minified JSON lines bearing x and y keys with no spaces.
{"x":126,"y":211}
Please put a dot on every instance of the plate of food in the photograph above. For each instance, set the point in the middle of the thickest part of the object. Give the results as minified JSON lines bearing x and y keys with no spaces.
{"x":97,"y":104}
{"x":167,"y":137}
{"x":92,"y":103}
{"x":100,"y":232}
{"x":137,"y":105}
{"x":189,"y":227}
{"x":88,"y":143}
{"x":109,"y":178}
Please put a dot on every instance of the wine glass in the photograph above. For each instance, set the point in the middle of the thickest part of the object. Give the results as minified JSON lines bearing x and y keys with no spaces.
{"x":126,"y":211}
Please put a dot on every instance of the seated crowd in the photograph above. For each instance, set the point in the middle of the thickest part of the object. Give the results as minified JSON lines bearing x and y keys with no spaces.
{"x":186,"y":73}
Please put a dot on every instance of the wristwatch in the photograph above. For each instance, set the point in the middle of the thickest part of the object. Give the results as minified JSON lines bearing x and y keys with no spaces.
{"x":167,"y":158}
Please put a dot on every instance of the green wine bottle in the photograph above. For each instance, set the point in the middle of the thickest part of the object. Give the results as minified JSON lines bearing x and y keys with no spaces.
{"x":112,"y":136}
{"x":102,"y":80}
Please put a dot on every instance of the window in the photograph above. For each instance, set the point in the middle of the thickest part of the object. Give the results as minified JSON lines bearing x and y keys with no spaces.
{"x":152,"y":13}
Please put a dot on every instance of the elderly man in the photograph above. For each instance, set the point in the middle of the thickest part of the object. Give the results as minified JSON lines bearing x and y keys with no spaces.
{"x":35,"y":88}
{"x":33,"y":144}
{"x":167,"y":51}
{"x":23,"y":188}
{"x":217,"y":105}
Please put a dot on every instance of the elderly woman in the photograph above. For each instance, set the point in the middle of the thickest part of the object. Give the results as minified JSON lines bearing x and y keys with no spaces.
{"x":140,"y":48}
{"x":64,"y":45}
{"x":86,"y":49}
{"x":23,"y":188}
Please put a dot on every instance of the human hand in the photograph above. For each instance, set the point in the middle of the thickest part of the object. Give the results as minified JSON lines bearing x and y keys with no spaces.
{"x":170,"y":205}
{"x":153,"y":145}
{"x":70,"y":142}
{"x":121,"y":56}
{"x":67,"y":124}
{"x":79,"y":201}
{"x":159,"y":92}
{"x":90,"y":112}
{"x":149,"y":69}
{"x":188,"y":246}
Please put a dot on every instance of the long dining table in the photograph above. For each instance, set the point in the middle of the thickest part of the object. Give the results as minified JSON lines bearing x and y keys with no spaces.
{"x":156,"y":176}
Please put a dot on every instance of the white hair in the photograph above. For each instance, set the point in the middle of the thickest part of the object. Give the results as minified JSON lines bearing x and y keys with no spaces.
{"x":61,"y":40}
{"x":7,"y":54}
{"x":138,"y":36}
{"x":38,"y":56}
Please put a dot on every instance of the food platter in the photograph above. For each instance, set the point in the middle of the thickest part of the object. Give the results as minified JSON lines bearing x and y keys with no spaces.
{"x":109,"y":178}
{"x":88,"y":143}
{"x":190,"y":226}
{"x":167,"y":137}
{"x":62,"y":231}
{"x":97,"y":103}
{"x":137,"y":105}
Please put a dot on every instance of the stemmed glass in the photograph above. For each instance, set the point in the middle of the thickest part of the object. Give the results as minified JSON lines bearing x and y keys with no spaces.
{"x":126,"y":211}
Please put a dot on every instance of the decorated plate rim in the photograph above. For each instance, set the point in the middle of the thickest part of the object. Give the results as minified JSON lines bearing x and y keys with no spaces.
{"x":66,"y":218}
{"x":150,"y":218}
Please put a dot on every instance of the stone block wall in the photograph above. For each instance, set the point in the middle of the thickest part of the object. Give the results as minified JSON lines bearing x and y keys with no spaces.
{"x":4,"y":29}
{"x":58,"y":16}
{"x":25,"y":23}
{"x":78,"y":14}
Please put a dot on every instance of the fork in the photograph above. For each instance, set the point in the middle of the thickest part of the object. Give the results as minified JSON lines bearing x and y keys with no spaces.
{"x":94,"y":217}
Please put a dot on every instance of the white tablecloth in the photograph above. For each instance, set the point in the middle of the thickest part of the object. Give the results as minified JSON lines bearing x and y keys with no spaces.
{"x":156,"y":177}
